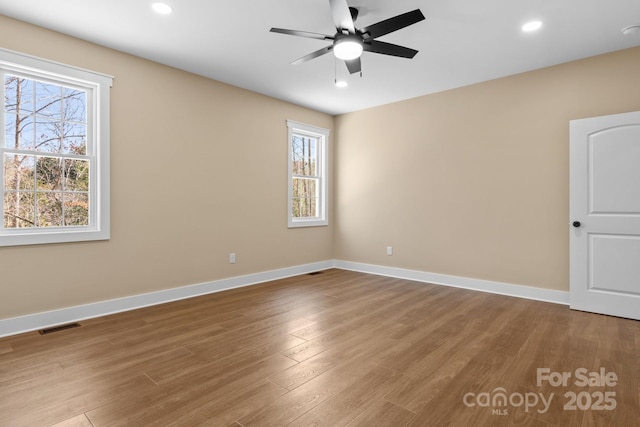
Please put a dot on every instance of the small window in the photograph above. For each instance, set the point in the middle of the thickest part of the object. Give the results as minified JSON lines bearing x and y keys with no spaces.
{"x":307,"y":175}
{"x":54,"y":151}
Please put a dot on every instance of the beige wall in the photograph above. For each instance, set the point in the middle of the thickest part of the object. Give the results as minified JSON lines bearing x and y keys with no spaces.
{"x":474,"y":182}
{"x":471,"y":182}
{"x":198,"y":170}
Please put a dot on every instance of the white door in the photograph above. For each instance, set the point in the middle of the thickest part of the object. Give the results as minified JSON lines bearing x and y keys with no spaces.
{"x":605,"y":215}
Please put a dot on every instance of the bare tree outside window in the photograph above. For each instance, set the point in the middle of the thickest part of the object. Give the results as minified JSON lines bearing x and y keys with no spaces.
{"x":45,"y":164}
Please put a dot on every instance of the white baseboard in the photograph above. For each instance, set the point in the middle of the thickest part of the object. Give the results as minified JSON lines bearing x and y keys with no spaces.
{"x":37,"y":321}
{"x":520,"y":291}
{"x":33,"y":322}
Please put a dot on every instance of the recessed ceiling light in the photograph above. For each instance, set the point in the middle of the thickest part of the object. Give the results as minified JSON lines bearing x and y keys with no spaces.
{"x":631,"y":29}
{"x":162,"y":8}
{"x":532,"y":26}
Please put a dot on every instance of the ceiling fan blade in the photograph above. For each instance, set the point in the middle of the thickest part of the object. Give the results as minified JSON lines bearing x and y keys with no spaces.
{"x":302,"y":34}
{"x":313,"y":55}
{"x":392,"y":24}
{"x":341,"y":15}
{"x":384,"y":48}
{"x":354,"y":65}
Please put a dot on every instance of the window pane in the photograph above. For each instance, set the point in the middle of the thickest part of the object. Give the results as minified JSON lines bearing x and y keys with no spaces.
{"x":18,"y":210}
{"x":76,"y":175}
{"x":19,"y":172}
{"x":76,"y":209}
{"x":18,"y":132}
{"x":48,"y":134}
{"x":49,"y":100}
{"x":18,"y":94}
{"x":45,"y":117}
{"x":74,"y":105}
{"x":305,"y":198}
{"x":49,"y":173}
{"x":48,"y":209}
{"x":304,"y":207}
{"x":304,"y":155}
{"x":74,"y":138}
{"x":10,"y":131}
{"x":297,"y":156}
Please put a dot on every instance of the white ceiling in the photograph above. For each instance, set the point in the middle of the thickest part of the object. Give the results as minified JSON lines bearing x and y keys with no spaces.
{"x":461,"y":42}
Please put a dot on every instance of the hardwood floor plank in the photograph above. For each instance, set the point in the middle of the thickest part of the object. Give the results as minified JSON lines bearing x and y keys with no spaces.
{"x":180,"y":400}
{"x":542,"y":348}
{"x":433,"y":302}
{"x":382,"y":414}
{"x":46,"y":350}
{"x":79,"y":421}
{"x":433,"y":331}
{"x":174,"y":335}
{"x":227,"y":346}
{"x":447,"y":407}
{"x":409,"y":355}
{"x":273,"y":315}
{"x":309,"y":395}
{"x":132,"y":359}
{"x":346,"y":405}
{"x":513,"y":326}
{"x":378,"y":321}
{"x":22,"y":374}
{"x":5,"y":347}
{"x":376,"y":324}
{"x":434,"y":371}
{"x":240,"y":404}
{"x":337,"y":323}
{"x":609,"y":357}
{"x":103,"y":372}
{"x":362,"y":349}
{"x":19,"y":382}
{"x":63,"y":403}
{"x":165,"y":373}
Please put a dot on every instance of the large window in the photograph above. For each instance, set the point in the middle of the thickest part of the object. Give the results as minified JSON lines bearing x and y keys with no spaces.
{"x":54,"y":151}
{"x":307,"y":175}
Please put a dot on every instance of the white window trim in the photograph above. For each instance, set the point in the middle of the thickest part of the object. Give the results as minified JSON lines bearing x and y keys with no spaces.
{"x":323,"y":208}
{"x":98,"y":86}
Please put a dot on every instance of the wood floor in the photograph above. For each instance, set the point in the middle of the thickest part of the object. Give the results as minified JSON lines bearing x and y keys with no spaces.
{"x":336,"y":348}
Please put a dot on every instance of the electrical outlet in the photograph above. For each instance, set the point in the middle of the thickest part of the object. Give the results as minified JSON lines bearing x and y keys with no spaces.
{"x":232,"y":258}
{"x":389,"y":250}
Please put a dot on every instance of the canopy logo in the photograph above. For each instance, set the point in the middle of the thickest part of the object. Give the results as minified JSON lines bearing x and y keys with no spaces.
{"x":500,"y":401}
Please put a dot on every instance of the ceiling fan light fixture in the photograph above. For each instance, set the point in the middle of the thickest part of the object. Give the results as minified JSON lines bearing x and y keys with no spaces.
{"x":341,"y":83}
{"x":348,"y":47}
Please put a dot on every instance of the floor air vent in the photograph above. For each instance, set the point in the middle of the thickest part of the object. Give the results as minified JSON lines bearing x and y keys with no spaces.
{"x":59,"y":328}
{"x":314,"y":273}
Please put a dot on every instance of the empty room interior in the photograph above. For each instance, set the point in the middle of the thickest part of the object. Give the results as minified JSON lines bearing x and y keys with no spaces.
{"x":451,"y":239}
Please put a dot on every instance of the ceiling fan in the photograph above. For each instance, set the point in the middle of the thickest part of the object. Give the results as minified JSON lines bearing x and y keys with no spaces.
{"x":349,"y":42}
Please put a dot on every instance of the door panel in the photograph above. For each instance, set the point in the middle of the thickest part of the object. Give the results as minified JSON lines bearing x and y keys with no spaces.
{"x":605,"y":202}
{"x":614,"y":163}
{"x":614,"y":262}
